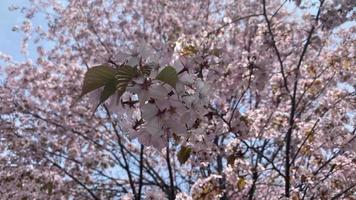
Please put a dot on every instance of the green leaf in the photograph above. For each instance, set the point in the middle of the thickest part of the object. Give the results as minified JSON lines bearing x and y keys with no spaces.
{"x":189,"y":50}
{"x":109,"y":89}
{"x":126,"y":72}
{"x":118,"y":84}
{"x":216,"y":52}
{"x":146,"y":70}
{"x":168,"y":75}
{"x":97,"y":77}
{"x":124,"y":75}
{"x":231,"y":159}
{"x":241,"y":183}
{"x":184,"y":154}
{"x":48,"y":187}
{"x":113,"y":80}
{"x":122,"y":78}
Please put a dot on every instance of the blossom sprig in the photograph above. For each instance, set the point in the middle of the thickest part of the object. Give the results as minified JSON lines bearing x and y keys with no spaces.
{"x":170,"y":100}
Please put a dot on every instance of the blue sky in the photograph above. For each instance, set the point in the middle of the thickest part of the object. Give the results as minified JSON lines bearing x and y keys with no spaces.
{"x":10,"y":41}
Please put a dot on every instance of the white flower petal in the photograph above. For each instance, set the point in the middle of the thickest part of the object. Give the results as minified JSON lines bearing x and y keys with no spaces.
{"x":149,"y":111}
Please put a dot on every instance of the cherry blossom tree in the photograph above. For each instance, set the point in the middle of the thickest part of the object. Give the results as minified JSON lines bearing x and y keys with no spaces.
{"x":187,"y":100}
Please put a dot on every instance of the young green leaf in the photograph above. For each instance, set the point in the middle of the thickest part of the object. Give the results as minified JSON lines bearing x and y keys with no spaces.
{"x":113,"y":80}
{"x":168,"y":75}
{"x":118,"y":84}
{"x":184,"y":154}
{"x":109,"y":89}
{"x":241,"y":183}
{"x":97,"y":77}
{"x":125,"y":73}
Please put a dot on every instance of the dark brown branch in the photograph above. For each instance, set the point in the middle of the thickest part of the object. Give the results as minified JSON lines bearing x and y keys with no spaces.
{"x":126,"y":166}
{"x":269,"y":26}
{"x":288,"y":137}
{"x":75,"y":179}
{"x":337,"y":196}
{"x":171,"y":179}
{"x":255,"y":173}
{"x":141,"y":173}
